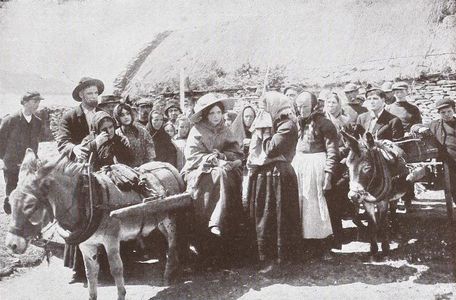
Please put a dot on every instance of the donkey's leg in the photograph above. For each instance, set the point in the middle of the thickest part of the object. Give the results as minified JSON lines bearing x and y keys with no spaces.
{"x":89,"y":254}
{"x":168,"y":228}
{"x":370,"y":211}
{"x":112,"y":246}
{"x":382,"y":208}
{"x":393,"y":217}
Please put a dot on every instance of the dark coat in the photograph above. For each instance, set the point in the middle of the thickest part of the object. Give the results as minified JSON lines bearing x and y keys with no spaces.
{"x":72,"y":130}
{"x":446,"y":135}
{"x":16,"y":135}
{"x":283,"y":141}
{"x":388,"y":126}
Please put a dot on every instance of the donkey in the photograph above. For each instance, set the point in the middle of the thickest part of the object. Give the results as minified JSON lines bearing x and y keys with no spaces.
{"x":377,"y":177}
{"x":45,"y":192}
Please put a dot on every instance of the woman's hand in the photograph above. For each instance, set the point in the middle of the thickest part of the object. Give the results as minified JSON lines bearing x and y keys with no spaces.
{"x":230,"y":165}
{"x":327,"y":184}
{"x":102,"y":138}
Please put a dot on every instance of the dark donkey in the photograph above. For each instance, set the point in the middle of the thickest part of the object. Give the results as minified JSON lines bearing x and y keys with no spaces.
{"x":377,"y":177}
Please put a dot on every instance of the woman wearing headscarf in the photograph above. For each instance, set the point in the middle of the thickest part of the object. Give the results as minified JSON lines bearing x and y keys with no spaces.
{"x":315,"y":162}
{"x":164,"y":148}
{"x":241,"y":131}
{"x":273,"y":189}
{"x":213,"y":173}
{"x":140,"y":141}
{"x":107,"y":147}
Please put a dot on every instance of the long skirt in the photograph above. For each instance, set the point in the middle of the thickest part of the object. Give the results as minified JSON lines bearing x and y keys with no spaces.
{"x":274,"y":211}
{"x":315,"y":220}
{"x":217,"y":200}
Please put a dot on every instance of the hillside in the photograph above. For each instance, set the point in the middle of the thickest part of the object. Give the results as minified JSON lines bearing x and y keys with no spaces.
{"x":313,"y":42}
{"x":18,"y":83}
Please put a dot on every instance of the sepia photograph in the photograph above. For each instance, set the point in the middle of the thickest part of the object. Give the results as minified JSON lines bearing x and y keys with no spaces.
{"x":227,"y":149}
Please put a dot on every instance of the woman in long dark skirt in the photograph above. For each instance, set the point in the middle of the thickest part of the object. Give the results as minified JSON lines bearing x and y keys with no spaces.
{"x":273,"y":201}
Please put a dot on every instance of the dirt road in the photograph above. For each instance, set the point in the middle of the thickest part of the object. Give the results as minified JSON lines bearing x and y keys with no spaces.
{"x":421,"y":266}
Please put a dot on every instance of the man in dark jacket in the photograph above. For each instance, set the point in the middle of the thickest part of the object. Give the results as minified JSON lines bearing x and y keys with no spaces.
{"x":444,"y":129}
{"x":74,"y":127}
{"x":408,"y":113}
{"x":18,"y":132}
{"x":380,"y":123}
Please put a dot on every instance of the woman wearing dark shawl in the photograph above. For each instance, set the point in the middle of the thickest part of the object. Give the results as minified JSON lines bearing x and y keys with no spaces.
{"x":241,"y":131}
{"x":273,"y":187}
{"x":315,"y":162}
{"x":164,"y":148}
{"x":212,"y":172}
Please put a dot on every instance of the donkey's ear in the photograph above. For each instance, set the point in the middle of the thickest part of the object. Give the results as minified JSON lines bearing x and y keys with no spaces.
{"x":29,"y":164}
{"x":350,"y":141}
{"x":369,"y":140}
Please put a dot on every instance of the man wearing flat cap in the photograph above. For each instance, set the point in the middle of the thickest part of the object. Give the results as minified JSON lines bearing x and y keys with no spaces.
{"x":18,"y":132}
{"x":408,"y":113}
{"x":75,"y":123}
{"x":444,"y":129}
{"x":144,"y":106}
{"x":74,"y":127}
{"x":353,"y":108}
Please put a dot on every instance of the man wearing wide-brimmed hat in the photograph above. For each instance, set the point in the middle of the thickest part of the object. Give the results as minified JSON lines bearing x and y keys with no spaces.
{"x":74,"y":126}
{"x":18,"y":132}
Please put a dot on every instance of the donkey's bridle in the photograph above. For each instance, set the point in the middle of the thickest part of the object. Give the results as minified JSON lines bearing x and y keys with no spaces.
{"x":381,"y":191}
{"x":41,"y":202}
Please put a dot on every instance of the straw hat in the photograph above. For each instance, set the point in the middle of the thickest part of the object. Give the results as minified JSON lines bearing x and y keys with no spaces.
{"x":204,"y":102}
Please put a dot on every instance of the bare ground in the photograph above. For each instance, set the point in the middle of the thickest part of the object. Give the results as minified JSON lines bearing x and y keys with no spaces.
{"x":421,"y":266}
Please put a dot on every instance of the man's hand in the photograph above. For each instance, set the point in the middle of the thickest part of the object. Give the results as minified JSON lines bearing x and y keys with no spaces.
{"x":102,"y":138}
{"x":81,"y":152}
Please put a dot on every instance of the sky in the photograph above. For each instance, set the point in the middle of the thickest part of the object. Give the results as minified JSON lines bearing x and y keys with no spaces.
{"x":74,"y":38}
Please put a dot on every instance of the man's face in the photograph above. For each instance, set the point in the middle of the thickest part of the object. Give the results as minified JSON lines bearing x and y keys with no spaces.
{"x":157,"y":121}
{"x":189,"y":105}
{"x":31,"y":106}
{"x":400,"y":94}
{"x":374,"y":102}
{"x":108,"y":127}
{"x":446,"y":113}
{"x":291,"y":93}
{"x":351,"y":96}
{"x":89,"y":96}
{"x":160,"y":105}
{"x":143,"y":112}
{"x":173,"y":113}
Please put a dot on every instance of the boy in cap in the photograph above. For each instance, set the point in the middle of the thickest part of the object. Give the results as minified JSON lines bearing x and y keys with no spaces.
{"x":144,"y":106}
{"x":18,"y":132}
{"x":172,"y":111}
{"x":444,"y":129}
{"x":408,"y":113}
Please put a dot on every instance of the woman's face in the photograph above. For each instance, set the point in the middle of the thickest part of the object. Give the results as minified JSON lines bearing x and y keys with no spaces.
{"x":215,"y":115}
{"x":170,"y":130}
{"x":125,"y":117}
{"x":248,"y":117}
{"x":157,"y":121}
{"x":107,"y":126}
{"x":331,"y":105}
{"x":305,"y":106}
{"x":183,"y":129}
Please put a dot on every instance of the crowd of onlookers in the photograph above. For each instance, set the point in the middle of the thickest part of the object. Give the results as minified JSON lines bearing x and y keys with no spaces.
{"x":272,"y":172}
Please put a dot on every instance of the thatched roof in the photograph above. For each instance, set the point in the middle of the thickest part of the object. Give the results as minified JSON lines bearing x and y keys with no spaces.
{"x":357,"y":40}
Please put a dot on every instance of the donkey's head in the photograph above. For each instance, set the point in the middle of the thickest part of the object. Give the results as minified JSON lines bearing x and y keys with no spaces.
{"x":30,"y":210}
{"x":361,"y":165}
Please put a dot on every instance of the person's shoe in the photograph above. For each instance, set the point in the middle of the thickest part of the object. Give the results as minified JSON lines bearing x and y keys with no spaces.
{"x":7,"y":206}
{"x":216,"y":230}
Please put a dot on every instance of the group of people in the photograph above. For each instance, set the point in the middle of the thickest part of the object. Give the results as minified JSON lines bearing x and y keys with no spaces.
{"x":272,"y":174}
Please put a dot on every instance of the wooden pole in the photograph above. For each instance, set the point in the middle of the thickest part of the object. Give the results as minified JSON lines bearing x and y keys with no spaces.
{"x":182,"y":88}
{"x":448,"y":196}
{"x":154,"y":206}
